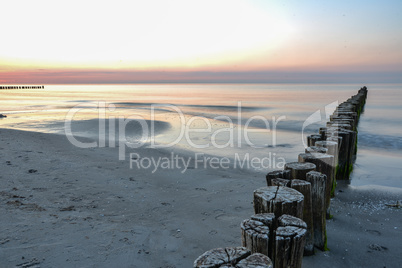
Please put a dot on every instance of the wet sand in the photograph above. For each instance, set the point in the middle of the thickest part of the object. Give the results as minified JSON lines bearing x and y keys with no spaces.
{"x":62,"y":206}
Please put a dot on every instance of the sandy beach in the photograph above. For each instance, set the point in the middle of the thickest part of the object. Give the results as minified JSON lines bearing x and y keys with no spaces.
{"x":62,"y":206}
{"x":146,"y":134}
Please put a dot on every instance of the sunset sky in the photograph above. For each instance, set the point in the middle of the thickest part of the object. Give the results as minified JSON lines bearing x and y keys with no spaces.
{"x":56,"y":42}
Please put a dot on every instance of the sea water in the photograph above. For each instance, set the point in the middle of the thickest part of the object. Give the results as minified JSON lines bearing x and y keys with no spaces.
{"x":264,"y":122}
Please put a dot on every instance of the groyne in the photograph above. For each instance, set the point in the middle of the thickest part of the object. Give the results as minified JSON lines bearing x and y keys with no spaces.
{"x":291,"y":211}
{"x":22,"y":87}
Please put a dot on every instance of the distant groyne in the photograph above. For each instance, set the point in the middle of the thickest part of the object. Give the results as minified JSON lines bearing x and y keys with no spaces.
{"x":22,"y":87}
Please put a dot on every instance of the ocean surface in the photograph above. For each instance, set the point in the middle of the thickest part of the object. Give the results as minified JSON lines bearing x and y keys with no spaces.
{"x":264,"y":123}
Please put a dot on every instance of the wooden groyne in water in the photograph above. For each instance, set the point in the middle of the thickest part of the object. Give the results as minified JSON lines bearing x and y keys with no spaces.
{"x":291,"y":212}
{"x":22,"y":87}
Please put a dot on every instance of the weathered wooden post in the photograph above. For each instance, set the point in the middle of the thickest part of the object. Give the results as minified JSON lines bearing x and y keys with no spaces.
{"x":270,"y":221}
{"x":345,"y":113}
{"x":289,"y":242}
{"x":339,"y":125}
{"x":255,"y":236}
{"x":256,"y":260}
{"x":322,"y":131}
{"x":281,"y":174}
{"x":318,"y":186}
{"x":331,"y":148}
{"x":284,"y":236}
{"x":312,"y":139}
{"x":316,"y":149}
{"x":342,"y":169}
{"x":299,"y":170}
{"x":352,"y":146}
{"x":336,"y":139}
{"x":238,"y":257}
{"x":278,"y":200}
{"x":324,"y":164}
{"x":342,"y":119}
{"x":304,"y":187}
{"x":280,"y":182}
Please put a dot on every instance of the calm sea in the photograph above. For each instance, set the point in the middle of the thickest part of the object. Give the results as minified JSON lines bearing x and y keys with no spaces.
{"x":261,"y":121}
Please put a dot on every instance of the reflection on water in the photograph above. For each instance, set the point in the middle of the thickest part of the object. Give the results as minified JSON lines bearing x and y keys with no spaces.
{"x":218,"y":119}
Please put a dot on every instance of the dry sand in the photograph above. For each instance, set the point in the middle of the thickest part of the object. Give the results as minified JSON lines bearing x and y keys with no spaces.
{"x":62,"y":206}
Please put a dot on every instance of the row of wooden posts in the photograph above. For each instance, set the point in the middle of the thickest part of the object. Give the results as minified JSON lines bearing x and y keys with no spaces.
{"x":291,"y":212}
{"x":21,"y":87}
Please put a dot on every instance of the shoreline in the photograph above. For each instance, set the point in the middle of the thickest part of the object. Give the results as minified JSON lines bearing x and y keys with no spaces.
{"x":65,"y":206}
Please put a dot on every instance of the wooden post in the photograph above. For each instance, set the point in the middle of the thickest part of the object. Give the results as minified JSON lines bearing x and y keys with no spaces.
{"x":324,"y":164}
{"x":332,"y":149}
{"x":339,"y":125}
{"x":331,"y":146}
{"x":280,"y":182}
{"x":352,"y":146}
{"x":221,"y":256}
{"x":342,"y":169}
{"x":312,"y":139}
{"x":286,"y":238}
{"x":304,"y":187}
{"x":238,"y":257}
{"x":255,"y":236}
{"x":318,"y":181}
{"x":278,"y":200}
{"x":282,"y":174}
{"x":256,"y":260}
{"x":269,"y":220}
{"x":348,"y":114}
{"x":323,"y":131}
{"x":342,"y":119}
{"x":338,"y":140}
{"x":316,"y":149}
{"x":299,"y":170}
{"x":289,"y":242}
{"x":347,"y":106}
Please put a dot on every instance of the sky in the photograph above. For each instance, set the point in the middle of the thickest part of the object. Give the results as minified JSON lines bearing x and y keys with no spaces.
{"x":85,"y":41}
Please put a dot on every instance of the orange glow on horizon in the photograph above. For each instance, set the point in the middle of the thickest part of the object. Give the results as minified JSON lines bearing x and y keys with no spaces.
{"x":49,"y":38}
{"x":178,"y":34}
